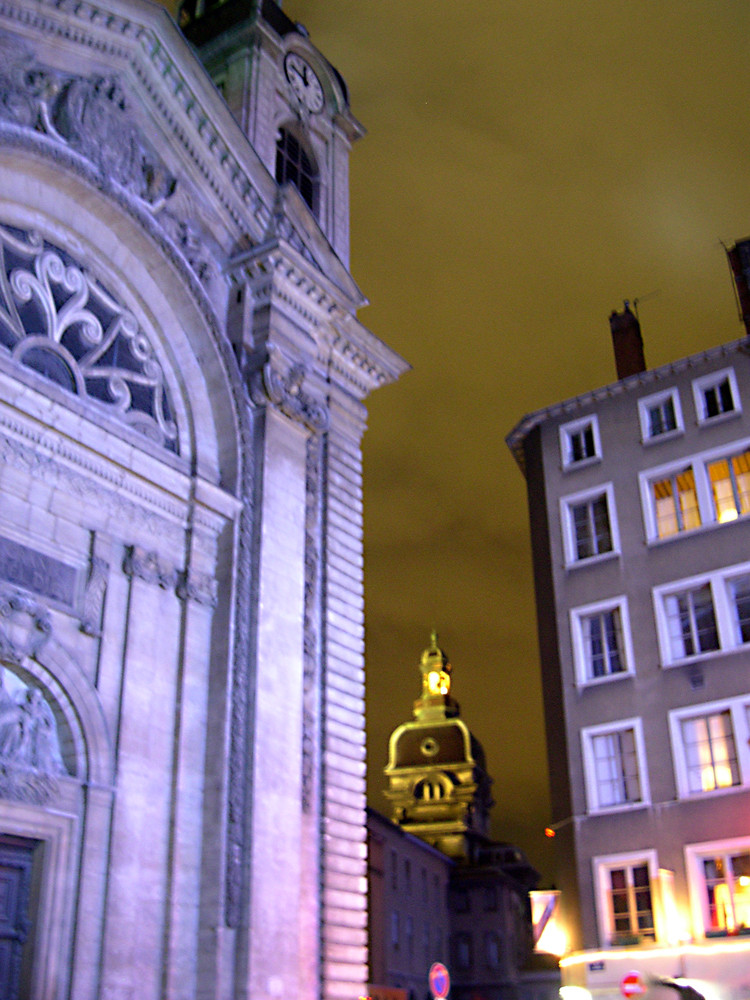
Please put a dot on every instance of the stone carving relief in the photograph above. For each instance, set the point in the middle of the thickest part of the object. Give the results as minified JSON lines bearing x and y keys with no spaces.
{"x":30,"y":756}
{"x":90,"y":117}
{"x":281,"y":385}
{"x":147,"y":566}
{"x":56,"y":319}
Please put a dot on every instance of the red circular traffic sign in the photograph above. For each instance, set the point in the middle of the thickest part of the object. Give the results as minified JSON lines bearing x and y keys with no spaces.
{"x":631,"y":985}
{"x":439,"y":980}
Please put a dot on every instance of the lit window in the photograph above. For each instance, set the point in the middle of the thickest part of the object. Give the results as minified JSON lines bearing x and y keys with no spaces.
{"x":691,"y":622}
{"x":710,"y":747}
{"x":295,"y":166}
{"x":730,"y":486}
{"x":614,"y":765}
{"x":660,"y":415}
{"x":716,"y":395}
{"x":675,"y":503}
{"x":601,"y":640}
{"x":719,"y":876}
{"x":710,"y":753}
{"x":579,"y":441}
{"x":626,"y":907}
{"x":589,"y":524}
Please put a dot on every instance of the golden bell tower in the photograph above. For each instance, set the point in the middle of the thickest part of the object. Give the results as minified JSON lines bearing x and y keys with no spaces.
{"x":437,"y":779}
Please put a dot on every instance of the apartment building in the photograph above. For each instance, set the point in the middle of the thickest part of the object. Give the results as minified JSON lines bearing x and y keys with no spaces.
{"x":639,"y":496}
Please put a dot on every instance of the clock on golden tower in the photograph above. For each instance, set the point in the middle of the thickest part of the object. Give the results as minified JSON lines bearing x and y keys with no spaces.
{"x":437,"y":779}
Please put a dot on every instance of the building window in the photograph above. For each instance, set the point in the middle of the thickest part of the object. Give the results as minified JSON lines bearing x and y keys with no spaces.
{"x":716,"y":395}
{"x":719,"y":877}
{"x":590,"y":528}
{"x":730,"y":486}
{"x":739,"y":596}
{"x":462,"y":951}
{"x":601,"y":641}
{"x":675,"y":503}
{"x":460,"y":901}
{"x":624,"y":895}
{"x":490,"y":898}
{"x":710,"y":747}
{"x":691,"y":622}
{"x":710,"y":752}
{"x":394,"y":870}
{"x":295,"y":166}
{"x":614,"y":765}
{"x":712,"y":488}
{"x":407,"y":875}
{"x":579,"y":442}
{"x":409,"y":935}
{"x":660,"y":415}
{"x":703,"y":615}
{"x":394,"y":930}
{"x":492,"y":950}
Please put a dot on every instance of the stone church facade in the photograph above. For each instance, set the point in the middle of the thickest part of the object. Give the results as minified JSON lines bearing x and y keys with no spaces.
{"x":182,"y":377}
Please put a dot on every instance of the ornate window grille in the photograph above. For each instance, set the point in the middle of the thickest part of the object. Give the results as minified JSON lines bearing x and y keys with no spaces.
{"x":57,"y":320}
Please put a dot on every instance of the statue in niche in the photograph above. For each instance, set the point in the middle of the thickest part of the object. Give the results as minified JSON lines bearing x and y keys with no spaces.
{"x":28,"y":732}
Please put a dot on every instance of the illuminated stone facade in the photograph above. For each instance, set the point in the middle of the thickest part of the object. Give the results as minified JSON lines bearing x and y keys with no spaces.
{"x":182,"y":378}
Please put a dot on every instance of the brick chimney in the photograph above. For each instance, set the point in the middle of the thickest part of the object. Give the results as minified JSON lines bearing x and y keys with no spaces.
{"x":627,"y":342}
{"x":739,"y":261}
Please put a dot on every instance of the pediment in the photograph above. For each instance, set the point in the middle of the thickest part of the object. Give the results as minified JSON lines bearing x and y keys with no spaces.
{"x":142,"y":120}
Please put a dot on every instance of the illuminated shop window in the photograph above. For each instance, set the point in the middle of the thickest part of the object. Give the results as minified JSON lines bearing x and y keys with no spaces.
{"x":719,"y":878}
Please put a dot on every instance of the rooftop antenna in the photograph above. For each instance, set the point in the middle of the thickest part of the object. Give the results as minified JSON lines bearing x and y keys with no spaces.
{"x":643,"y":298}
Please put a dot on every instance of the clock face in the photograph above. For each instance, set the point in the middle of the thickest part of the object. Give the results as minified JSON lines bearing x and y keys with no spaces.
{"x":303,"y":81}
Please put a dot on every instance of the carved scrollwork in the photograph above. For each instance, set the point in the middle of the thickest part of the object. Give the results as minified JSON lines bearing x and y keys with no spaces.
{"x":56,"y":319}
{"x":282,"y":387}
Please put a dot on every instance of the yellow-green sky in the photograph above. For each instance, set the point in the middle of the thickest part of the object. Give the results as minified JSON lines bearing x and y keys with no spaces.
{"x":528,"y":165}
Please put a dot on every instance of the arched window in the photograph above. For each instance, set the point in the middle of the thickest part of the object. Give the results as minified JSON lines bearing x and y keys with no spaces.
{"x":294,"y":164}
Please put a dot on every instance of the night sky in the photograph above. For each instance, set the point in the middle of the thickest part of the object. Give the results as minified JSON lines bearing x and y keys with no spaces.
{"x":528,"y":166}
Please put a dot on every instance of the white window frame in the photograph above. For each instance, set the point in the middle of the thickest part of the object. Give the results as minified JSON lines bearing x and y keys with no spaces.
{"x":694,"y":856}
{"x":601,"y":866}
{"x":699,"y":463}
{"x":568,"y":528}
{"x":713,"y":379}
{"x":647,"y":403}
{"x":588,"y":735}
{"x":568,"y":431}
{"x":725,"y":615}
{"x":739,"y":715}
{"x":580,"y":653}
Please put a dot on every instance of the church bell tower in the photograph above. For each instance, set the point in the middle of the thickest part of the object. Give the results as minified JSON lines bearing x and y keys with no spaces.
{"x":289,"y":101}
{"x":437,"y":778}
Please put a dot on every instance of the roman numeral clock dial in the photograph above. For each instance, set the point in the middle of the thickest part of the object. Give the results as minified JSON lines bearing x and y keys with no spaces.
{"x":303,"y":81}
